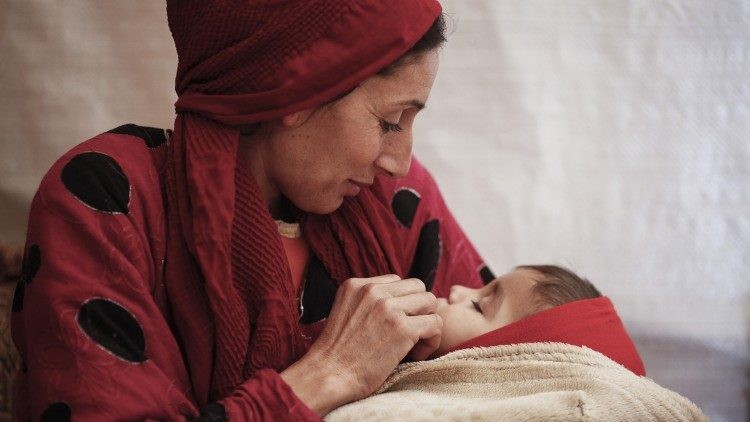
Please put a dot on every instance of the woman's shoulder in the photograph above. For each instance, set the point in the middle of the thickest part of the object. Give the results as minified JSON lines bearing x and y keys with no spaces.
{"x":132,"y":144}
{"x":102,"y":171}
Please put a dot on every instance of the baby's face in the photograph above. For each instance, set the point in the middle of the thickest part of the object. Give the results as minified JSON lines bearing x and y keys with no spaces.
{"x":468,"y":313}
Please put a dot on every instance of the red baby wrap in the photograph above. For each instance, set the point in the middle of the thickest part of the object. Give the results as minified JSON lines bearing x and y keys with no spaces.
{"x":593,"y":323}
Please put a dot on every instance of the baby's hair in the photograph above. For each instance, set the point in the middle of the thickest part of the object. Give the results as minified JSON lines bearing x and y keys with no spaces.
{"x":558,"y":286}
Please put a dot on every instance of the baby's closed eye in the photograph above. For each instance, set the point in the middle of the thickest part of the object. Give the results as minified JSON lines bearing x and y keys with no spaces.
{"x":476,"y":306}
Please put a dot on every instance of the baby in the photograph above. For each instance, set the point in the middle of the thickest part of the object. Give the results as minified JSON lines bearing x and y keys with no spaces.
{"x":501,"y":311}
{"x":511,"y":350}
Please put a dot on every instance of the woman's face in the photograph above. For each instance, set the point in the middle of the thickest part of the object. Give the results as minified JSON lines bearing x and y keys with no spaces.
{"x":317,"y":157}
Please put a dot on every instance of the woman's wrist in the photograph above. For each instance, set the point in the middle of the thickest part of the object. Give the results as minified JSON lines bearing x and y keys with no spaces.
{"x":321,"y":389}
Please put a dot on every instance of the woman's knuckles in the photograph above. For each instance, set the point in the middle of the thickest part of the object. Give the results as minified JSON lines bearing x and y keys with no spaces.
{"x":372,"y":290}
{"x":350,"y":285}
{"x":384,"y":306}
{"x":429,"y":300}
{"x":389,"y":278}
{"x":417,"y":283}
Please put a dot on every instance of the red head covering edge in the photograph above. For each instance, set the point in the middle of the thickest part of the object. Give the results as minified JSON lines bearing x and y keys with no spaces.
{"x":247,"y":61}
{"x":591,"y":322}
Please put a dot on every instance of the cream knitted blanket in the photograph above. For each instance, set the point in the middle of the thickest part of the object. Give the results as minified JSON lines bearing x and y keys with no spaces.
{"x":521,"y":382}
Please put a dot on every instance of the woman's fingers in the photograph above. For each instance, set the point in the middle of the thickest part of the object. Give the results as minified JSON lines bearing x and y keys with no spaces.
{"x":404,"y":287}
{"x":371,"y":287}
{"x":395,"y":288}
{"x":429,"y":337}
{"x":374,"y":289}
{"x":413,"y":317}
{"x":373,"y":324}
{"x":355,"y":283}
{"x":415,"y":304}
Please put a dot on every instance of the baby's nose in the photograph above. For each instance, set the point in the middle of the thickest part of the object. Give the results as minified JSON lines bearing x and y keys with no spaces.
{"x":459,"y":294}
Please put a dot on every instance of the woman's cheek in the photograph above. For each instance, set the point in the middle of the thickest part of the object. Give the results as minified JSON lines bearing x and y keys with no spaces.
{"x":366,"y":140}
{"x":371,"y":149}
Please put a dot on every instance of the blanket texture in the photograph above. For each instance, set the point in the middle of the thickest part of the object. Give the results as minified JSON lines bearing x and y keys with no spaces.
{"x":520,"y":382}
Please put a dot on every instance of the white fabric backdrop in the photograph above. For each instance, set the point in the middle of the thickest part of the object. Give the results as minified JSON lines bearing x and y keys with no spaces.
{"x":611,"y":136}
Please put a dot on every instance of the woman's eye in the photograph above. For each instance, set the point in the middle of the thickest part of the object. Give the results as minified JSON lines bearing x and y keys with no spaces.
{"x":476,"y":306}
{"x":389,"y":127}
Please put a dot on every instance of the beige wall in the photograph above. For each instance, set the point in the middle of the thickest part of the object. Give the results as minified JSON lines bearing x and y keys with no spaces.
{"x":70,"y":70}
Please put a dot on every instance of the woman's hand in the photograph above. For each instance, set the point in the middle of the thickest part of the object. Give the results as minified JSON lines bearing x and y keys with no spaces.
{"x":373,"y":324}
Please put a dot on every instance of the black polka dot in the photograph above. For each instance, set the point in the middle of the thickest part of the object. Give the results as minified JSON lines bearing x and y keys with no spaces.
{"x":18,"y":296}
{"x":31,"y":263}
{"x":153,"y":137}
{"x":113,"y":328}
{"x":212,"y":412}
{"x":318,"y":294}
{"x":427,"y":254}
{"x":98,"y":181}
{"x":56,"y":412}
{"x":404,"y":205}
{"x":486,"y":274}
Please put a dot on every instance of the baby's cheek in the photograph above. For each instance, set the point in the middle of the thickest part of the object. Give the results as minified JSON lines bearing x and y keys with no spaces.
{"x":457,"y":328}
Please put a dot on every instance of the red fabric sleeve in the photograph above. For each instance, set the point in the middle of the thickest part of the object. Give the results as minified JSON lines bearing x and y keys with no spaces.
{"x":90,"y":319}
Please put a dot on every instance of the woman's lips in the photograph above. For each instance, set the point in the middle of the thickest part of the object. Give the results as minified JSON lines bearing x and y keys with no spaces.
{"x":354,"y":187}
{"x":361,"y":184}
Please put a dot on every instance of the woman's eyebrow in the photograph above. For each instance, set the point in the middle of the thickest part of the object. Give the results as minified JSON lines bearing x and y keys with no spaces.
{"x":419,"y":105}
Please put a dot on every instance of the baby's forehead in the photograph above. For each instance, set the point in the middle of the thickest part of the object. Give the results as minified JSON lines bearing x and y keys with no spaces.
{"x":517,"y":276}
{"x":525,"y":272}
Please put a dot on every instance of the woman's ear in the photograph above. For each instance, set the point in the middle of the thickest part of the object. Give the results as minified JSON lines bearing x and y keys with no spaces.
{"x":296,"y":119}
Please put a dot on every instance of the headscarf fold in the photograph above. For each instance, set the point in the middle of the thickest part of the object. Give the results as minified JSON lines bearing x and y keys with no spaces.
{"x":242,"y":62}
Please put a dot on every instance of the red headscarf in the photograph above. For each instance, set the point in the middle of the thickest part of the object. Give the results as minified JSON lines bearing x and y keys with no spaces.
{"x":592,"y":323}
{"x":242,"y":62}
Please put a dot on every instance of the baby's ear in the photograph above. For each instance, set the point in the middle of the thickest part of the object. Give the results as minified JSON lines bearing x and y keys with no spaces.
{"x":296,"y":119}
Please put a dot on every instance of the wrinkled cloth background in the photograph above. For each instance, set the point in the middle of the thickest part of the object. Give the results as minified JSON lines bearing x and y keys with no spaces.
{"x":610,"y":136}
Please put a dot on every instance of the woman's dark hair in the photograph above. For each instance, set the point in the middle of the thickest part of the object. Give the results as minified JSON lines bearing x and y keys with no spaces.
{"x":432,"y":39}
{"x":558,"y":286}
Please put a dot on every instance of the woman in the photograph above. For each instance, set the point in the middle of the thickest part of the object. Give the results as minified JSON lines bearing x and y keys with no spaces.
{"x":271,"y":258}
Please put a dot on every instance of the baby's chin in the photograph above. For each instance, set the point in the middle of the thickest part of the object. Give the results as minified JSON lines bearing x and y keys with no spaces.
{"x":435,"y":355}
{"x":443,"y":349}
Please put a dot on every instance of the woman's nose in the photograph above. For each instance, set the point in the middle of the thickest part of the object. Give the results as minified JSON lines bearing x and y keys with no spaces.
{"x":395,"y":159}
{"x":461,"y":293}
